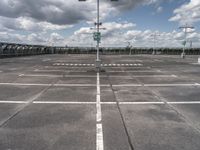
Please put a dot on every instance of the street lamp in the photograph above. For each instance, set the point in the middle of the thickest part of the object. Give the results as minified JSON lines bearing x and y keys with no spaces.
{"x":154,"y":42}
{"x":185,"y":38}
{"x":97,"y":35}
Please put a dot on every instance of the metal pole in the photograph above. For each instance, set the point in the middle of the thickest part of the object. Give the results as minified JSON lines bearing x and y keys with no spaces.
{"x":98,"y":30}
{"x":98,"y":61}
{"x":154,"y":43}
{"x":185,"y":38}
{"x":183,"y":54}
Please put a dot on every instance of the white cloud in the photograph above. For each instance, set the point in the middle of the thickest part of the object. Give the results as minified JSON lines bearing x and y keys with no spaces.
{"x":187,"y":13}
{"x":119,"y":34}
{"x":28,"y":24}
{"x":159,"y":9}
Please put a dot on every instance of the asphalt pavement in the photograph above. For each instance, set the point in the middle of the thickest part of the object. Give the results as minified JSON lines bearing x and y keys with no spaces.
{"x":138,"y":102}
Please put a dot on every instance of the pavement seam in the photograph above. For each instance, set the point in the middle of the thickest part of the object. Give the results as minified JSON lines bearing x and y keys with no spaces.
{"x":166,"y":102}
{"x":132,"y":146}
{"x":29,"y":102}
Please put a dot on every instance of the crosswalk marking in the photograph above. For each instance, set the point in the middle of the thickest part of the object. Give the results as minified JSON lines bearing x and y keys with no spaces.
{"x":103,"y":65}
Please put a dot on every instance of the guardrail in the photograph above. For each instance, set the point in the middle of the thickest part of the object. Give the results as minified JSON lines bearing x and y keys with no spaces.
{"x":14,"y":50}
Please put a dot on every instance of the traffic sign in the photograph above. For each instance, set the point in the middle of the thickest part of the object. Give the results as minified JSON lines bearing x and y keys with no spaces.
{"x":184,"y":43}
{"x":97,"y":36}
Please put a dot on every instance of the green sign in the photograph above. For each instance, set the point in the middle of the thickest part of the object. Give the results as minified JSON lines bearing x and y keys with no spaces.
{"x":97,"y":36}
{"x":184,"y":43}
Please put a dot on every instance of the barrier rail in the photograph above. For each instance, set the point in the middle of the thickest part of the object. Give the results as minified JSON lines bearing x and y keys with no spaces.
{"x":14,"y":50}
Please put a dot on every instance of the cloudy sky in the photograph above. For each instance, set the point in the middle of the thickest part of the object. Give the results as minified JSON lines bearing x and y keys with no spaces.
{"x":68,"y":22}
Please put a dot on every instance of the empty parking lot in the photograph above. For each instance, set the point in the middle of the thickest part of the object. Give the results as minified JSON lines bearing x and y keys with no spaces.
{"x":59,"y":102}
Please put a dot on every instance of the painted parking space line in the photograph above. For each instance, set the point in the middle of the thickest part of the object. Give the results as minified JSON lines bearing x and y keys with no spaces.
{"x":99,"y":137}
{"x":157,"y":85}
{"x":57,"y":76}
{"x":103,"y":85}
{"x":143,"y":71}
{"x":103,"y":65}
{"x":102,"y":103}
{"x":12,"y":102}
{"x":38,"y":70}
{"x":140,"y":103}
{"x":92,"y":76}
{"x":54,"y":85}
{"x":155,"y":76}
{"x":25,"y":84}
{"x":64,"y":102}
{"x":99,"y":127}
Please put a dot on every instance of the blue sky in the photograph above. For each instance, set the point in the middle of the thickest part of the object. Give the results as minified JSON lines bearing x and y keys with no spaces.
{"x":60,"y":22}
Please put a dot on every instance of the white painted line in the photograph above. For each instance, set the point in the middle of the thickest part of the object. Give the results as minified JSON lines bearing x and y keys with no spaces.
{"x":134,"y":71}
{"x":159,"y":70}
{"x":185,"y":102}
{"x":37,"y":70}
{"x":62,"y":102}
{"x":99,"y":128}
{"x":40,"y":75}
{"x":173,"y":75}
{"x":74,"y":85}
{"x":108,"y":103}
{"x":102,"y":85}
{"x":55,"y":85}
{"x":98,"y":99}
{"x":156,"y":85}
{"x":13,"y":102}
{"x":128,"y":85}
{"x":98,"y":105}
{"x":58,"y":76}
{"x":140,"y":103}
{"x":103,"y":103}
{"x":20,"y":75}
{"x":99,"y":137}
{"x":25,"y":84}
{"x":169,"y":85}
{"x":147,"y":76}
{"x":155,"y":76}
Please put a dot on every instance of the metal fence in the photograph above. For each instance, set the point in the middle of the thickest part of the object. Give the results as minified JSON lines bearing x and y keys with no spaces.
{"x":14,"y":50}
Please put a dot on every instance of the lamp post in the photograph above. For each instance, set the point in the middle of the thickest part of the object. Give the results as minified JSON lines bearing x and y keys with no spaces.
{"x":185,"y":38}
{"x":154,"y":42}
{"x":98,"y":34}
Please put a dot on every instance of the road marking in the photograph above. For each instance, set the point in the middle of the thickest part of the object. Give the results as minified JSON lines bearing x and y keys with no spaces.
{"x":91,"y":76}
{"x":140,"y":103}
{"x":54,"y":85}
{"x":170,"y":85}
{"x":134,"y":71}
{"x":99,"y":128}
{"x":157,"y":85}
{"x":184,"y":102}
{"x":57,"y":76}
{"x":37,"y":70}
{"x":99,"y":137}
{"x":25,"y":84}
{"x":109,"y":65}
{"x":155,"y":76}
{"x":63,"y":102}
{"x":13,"y":102}
{"x":104,"y":85}
{"x":102,"y":103}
